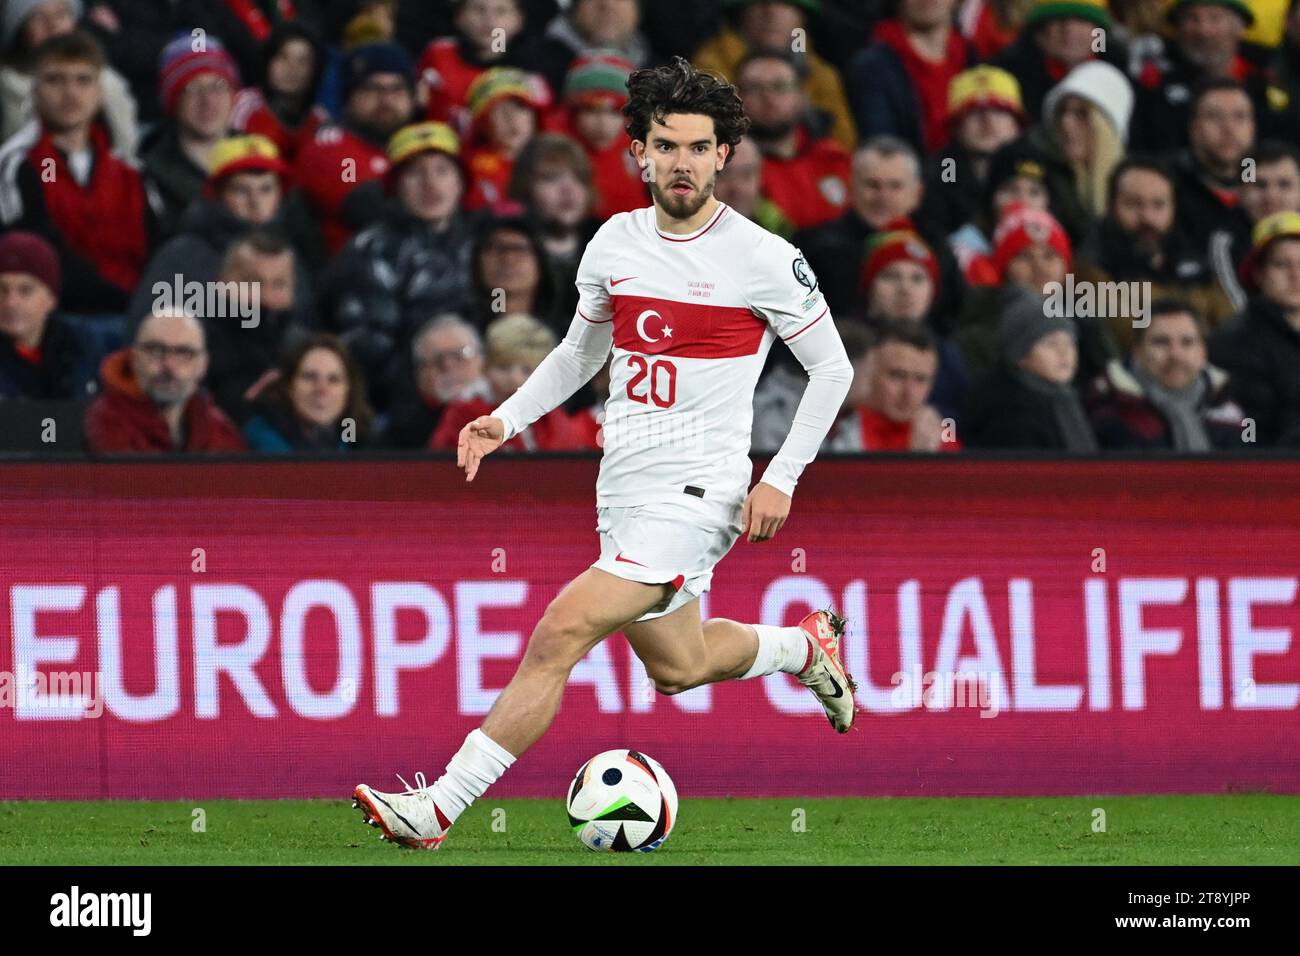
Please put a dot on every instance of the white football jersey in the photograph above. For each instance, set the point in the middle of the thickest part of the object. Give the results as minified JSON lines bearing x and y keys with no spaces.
{"x":690,"y":319}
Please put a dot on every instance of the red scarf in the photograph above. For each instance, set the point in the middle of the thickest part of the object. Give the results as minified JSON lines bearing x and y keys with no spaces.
{"x":254,"y":20}
{"x":929,"y":79}
{"x":104,"y":220}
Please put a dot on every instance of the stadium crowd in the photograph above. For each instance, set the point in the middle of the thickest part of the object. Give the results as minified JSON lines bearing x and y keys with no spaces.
{"x":1040,"y":224}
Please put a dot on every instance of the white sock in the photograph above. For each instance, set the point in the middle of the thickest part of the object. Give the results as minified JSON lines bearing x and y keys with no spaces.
{"x":478,"y":764}
{"x":779,"y":649}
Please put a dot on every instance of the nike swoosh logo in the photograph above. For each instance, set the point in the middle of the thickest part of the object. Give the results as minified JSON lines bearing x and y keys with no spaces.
{"x":620,"y":557}
{"x":839,"y":691}
{"x":613,"y":282}
{"x":414,"y":829}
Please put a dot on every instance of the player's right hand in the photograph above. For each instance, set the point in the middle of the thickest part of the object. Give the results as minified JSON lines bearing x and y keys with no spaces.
{"x":480,"y":437}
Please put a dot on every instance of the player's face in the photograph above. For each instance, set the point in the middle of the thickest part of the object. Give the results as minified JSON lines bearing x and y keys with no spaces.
{"x":684,"y":159}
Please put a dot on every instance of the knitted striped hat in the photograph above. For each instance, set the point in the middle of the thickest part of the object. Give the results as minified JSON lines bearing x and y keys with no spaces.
{"x":1096,"y":11}
{"x":900,"y":241}
{"x":599,"y":77}
{"x":182,"y":62}
{"x":506,"y":82}
{"x":1022,"y":227}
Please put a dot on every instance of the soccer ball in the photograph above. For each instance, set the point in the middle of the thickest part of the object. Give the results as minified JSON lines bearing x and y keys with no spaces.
{"x":622,"y":800}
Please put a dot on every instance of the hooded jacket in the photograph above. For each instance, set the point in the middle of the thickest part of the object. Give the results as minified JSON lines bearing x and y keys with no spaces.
{"x":123,"y":419}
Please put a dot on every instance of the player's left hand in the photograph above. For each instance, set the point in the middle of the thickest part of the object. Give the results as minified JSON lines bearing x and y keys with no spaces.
{"x":764,"y":512}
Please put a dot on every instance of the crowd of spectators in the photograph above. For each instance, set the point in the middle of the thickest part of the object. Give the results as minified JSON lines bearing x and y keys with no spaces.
{"x":286,"y":226}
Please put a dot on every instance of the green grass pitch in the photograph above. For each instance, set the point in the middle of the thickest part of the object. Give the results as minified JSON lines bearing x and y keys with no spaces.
{"x":1218,"y":830}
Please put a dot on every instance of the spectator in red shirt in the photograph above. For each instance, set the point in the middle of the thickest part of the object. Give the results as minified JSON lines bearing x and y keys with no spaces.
{"x":898,"y":84}
{"x":516,"y":345}
{"x":806,"y":176}
{"x":506,"y":107}
{"x":488,"y":33}
{"x":282,"y":104}
{"x":595,"y":92}
{"x":60,"y":178}
{"x":339,"y":169}
{"x":153,"y":400}
{"x":897,"y":376}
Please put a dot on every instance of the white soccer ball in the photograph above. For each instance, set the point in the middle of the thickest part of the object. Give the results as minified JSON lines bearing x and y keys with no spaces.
{"x":622,"y":800}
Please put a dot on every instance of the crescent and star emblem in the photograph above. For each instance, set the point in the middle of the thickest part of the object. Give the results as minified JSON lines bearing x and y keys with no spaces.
{"x":640,"y":326}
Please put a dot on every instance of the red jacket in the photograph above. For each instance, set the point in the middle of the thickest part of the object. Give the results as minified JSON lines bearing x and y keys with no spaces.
{"x":489,"y":177}
{"x":447,"y":77}
{"x":320,"y":174}
{"x":813,"y":186}
{"x":123,"y":419}
{"x":252,"y":115}
{"x":554,"y":431}
{"x":103,"y":220}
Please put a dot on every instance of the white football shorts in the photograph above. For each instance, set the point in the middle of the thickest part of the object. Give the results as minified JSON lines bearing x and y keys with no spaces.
{"x":667,"y":542}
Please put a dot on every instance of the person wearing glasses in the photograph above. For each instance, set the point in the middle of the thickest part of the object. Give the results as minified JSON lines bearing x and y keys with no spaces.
{"x":448,"y":359}
{"x":152,"y":398}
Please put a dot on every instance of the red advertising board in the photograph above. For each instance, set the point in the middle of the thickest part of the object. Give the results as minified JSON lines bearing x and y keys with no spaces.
{"x":289,"y":629}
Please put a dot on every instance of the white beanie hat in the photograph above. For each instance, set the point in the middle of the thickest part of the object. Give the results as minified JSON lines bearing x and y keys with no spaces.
{"x":17,"y":13}
{"x":1102,"y":85}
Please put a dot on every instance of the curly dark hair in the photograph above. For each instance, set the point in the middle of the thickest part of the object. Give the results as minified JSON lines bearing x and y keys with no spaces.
{"x":678,"y":87}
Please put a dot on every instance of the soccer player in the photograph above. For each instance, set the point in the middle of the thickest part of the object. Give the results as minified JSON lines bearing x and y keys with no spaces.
{"x":690,"y":296}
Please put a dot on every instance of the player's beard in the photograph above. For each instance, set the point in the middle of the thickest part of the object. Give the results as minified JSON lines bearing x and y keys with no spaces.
{"x":682,"y":207}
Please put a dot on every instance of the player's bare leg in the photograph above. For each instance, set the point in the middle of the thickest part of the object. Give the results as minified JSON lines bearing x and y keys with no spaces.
{"x":680,"y":652}
{"x":592,"y":606}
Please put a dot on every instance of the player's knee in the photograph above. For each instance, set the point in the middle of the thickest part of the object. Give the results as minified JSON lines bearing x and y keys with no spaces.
{"x":671,"y":680}
{"x":559,"y":640}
